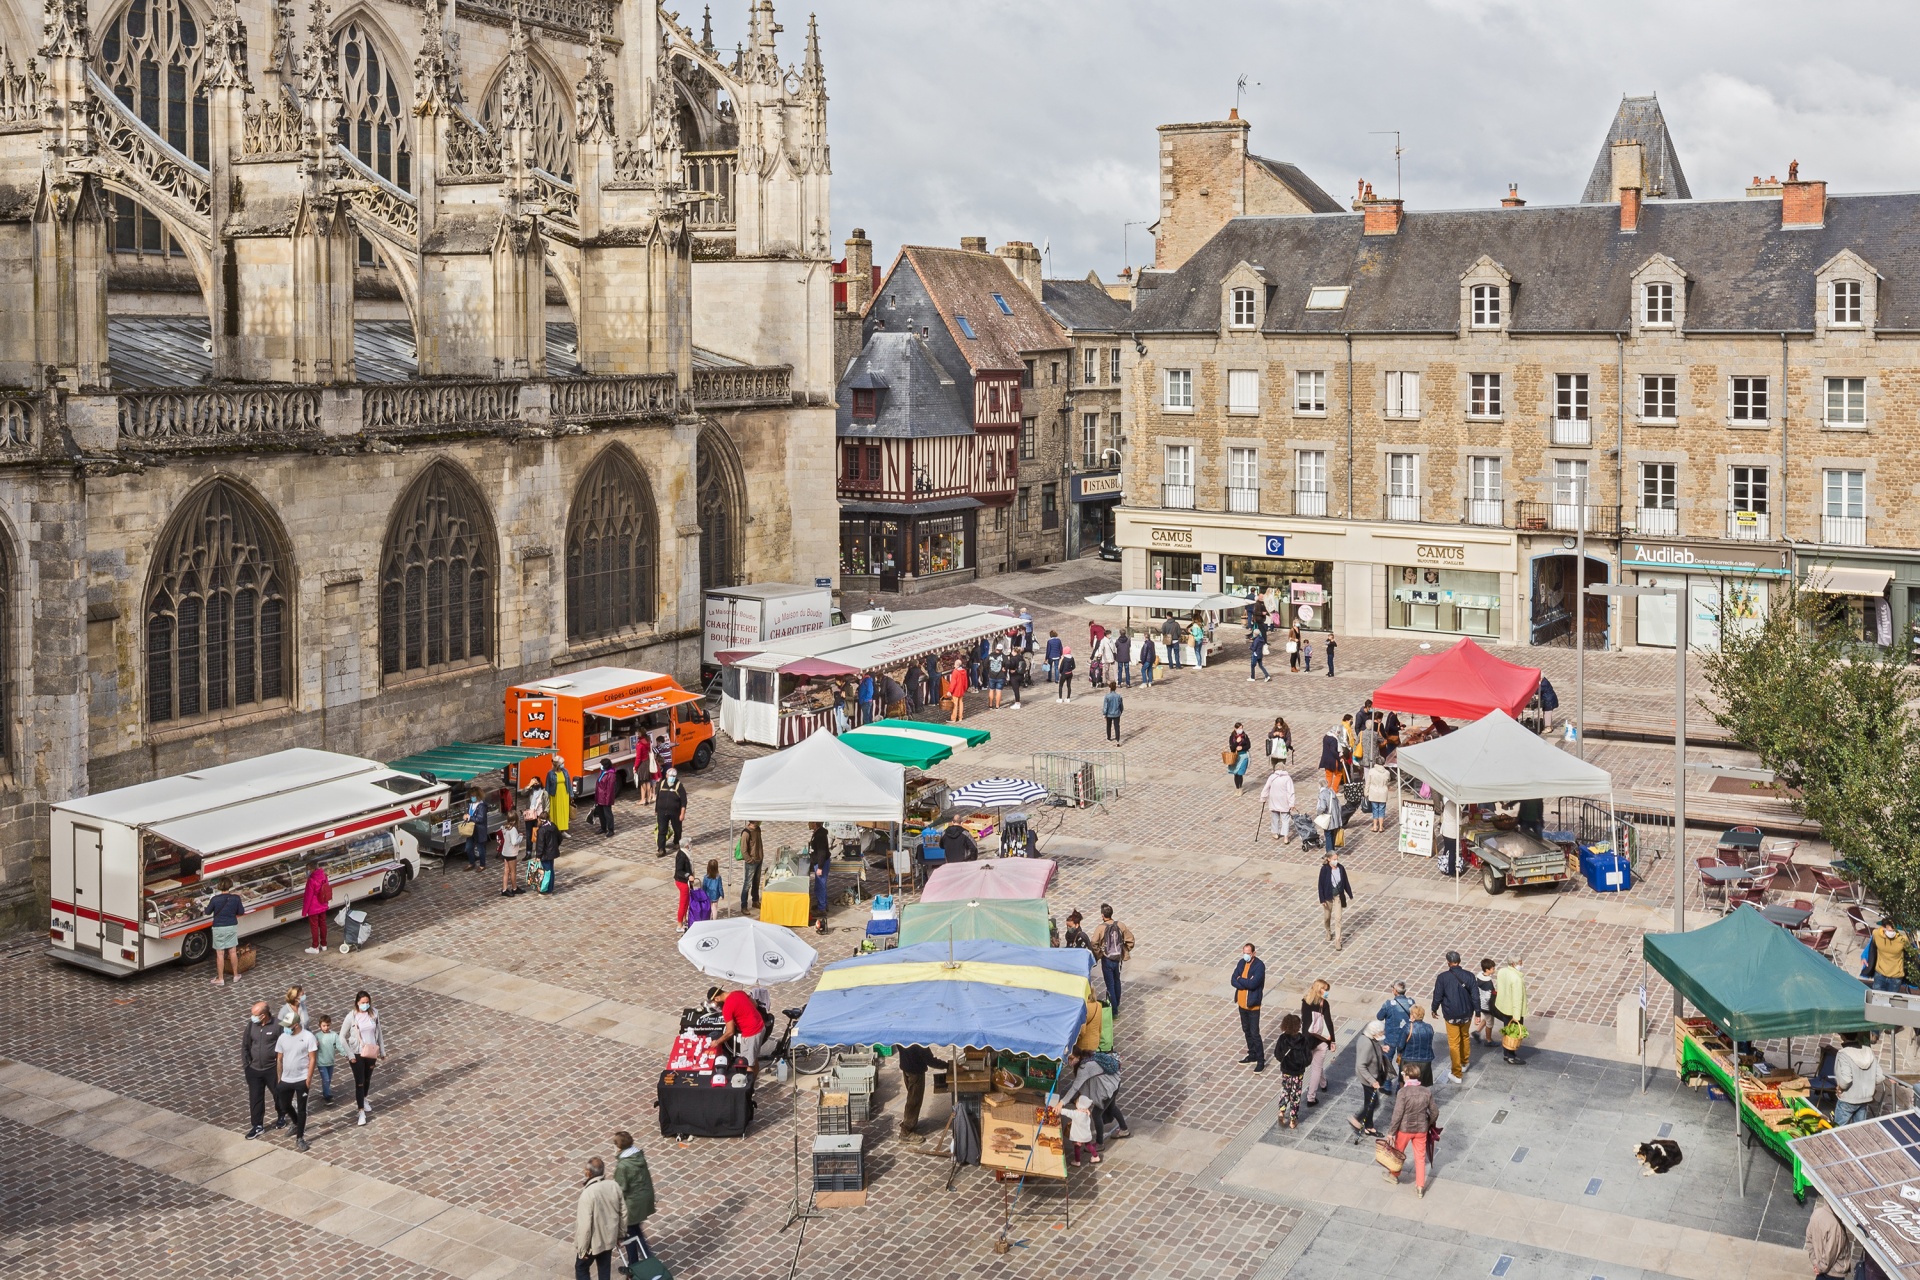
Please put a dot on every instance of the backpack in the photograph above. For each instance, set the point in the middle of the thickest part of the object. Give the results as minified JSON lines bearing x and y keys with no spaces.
{"x":1113,"y":945}
{"x":1295,"y":1058}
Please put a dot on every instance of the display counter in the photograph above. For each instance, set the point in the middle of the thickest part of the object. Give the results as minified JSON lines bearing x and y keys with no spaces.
{"x":1774,"y":1107}
{"x":691,"y":1105}
{"x":784,"y":901}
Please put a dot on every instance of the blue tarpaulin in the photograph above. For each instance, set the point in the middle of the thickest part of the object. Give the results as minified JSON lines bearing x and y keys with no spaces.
{"x":994,"y":995}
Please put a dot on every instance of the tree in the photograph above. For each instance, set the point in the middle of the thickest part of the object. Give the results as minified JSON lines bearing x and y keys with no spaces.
{"x":1832,"y":719}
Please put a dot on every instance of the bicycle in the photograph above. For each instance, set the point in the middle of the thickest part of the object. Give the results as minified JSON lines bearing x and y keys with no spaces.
{"x":807,"y":1059}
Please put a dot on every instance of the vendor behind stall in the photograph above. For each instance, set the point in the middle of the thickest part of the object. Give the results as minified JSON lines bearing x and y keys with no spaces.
{"x":743,"y":1023}
{"x":958,"y":844}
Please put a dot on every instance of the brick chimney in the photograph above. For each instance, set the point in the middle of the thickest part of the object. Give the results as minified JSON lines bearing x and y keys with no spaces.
{"x":974,"y":244}
{"x":1802,"y":204}
{"x":1380,"y":217}
{"x":1629,"y":209}
{"x":1512,"y":199}
{"x":1760,"y":188}
{"x":1024,"y":261}
{"x":859,"y":271}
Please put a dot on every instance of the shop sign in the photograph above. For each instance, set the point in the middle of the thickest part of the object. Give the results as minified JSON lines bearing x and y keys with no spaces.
{"x":1440,"y":553}
{"x":1306,"y":593}
{"x":1276,"y":544}
{"x":1712,"y":559}
{"x":1084,"y":488}
{"x":1208,"y":566}
{"x":1416,"y":828}
{"x":1170,"y":537}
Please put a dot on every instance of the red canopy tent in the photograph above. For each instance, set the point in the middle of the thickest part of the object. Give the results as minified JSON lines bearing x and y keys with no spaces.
{"x":1462,"y":683}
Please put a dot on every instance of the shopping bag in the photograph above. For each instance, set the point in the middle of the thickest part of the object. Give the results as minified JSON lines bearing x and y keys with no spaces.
{"x":1389,"y":1157}
{"x":1090,"y":1029}
{"x":1228,"y":757}
{"x":245,"y":956}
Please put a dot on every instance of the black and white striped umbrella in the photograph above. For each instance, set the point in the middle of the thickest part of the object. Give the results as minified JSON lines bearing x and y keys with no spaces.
{"x":997,"y":793}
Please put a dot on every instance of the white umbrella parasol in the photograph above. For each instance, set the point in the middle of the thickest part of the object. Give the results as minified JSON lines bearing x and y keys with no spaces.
{"x":746,"y":952}
{"x":998,"y":793}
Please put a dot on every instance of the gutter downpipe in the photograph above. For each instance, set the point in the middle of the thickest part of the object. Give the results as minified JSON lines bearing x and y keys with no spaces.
{"x":1786,"y":489}
{"x":1349,"y":338}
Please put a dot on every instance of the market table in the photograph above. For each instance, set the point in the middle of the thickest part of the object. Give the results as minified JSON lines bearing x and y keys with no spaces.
{"x":702,"y":1110}
{"x":784,"y":906}
{"x":1787,"y":917}
{"x":1697,"y":1059}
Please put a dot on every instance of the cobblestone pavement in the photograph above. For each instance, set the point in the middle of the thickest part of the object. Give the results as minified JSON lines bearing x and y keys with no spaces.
{"x":525,"y":1030}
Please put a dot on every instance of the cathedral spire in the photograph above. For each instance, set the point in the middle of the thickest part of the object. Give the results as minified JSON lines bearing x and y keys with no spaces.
{"x":436,"y":71}
{"x":813,"y":76}
{"x":706,"y":29}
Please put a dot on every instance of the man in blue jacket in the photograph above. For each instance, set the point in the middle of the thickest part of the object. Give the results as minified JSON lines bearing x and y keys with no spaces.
{"x":1456,"y":998}
{"x":1249,"y":979}
{"x":1054,"y":649}
{"x":866,"y":699}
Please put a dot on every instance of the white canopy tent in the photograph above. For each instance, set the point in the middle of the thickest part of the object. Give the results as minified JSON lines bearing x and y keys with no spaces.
{"x":820,"y":779}
{"x":1184,"y":601}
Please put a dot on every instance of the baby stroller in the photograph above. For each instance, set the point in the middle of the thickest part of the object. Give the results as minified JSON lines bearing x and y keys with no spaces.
{"x":355,"y":928}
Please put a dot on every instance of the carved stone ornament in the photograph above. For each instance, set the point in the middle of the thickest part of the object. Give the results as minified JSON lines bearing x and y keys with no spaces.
{"x":64,"y":29}
{"x":593,"y":96}
{"x":226,"y":50}
{"x":436,"y":72}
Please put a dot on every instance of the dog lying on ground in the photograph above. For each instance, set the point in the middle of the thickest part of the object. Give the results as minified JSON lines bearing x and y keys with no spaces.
{"x":1659,"y":1155}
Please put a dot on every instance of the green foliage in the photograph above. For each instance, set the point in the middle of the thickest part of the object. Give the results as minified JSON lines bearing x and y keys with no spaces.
{"x":1831,"y":718}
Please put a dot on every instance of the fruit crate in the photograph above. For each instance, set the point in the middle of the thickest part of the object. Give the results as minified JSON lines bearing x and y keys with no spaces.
{"x":835,"y":1116}
{"x":839,"y":1163}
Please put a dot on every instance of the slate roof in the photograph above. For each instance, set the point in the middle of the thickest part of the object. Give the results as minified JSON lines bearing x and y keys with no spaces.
{"x":1639,"y":120}
{"x":917,"y":398}
{"x":963,"y":282}
{"x":1083,"y":306}
{"x":176,"y":351}
{"x":1571,"y":265}
{"x":1305,"y":189}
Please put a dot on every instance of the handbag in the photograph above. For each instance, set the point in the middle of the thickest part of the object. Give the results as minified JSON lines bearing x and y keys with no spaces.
{"x":739,"y":854}
{"x":463,"y":829}
{"x":1293,"y":646}
{"x":1229,"y":757}
{"x":1388,"y":1156}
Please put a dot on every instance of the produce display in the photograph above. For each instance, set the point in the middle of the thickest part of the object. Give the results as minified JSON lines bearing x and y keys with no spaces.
{"x":171,"y":903}
{"x":1777,"y":1098}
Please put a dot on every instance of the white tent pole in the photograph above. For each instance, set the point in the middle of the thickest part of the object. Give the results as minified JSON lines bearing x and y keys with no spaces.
{"x":1639,"y":1024}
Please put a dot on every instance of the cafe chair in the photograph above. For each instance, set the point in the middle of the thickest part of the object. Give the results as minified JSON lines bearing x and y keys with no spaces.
{"x":1755,"y":898}
{"x":1819,"y":939}
{"x":1857,"y":917}
{"x":1710,"y":889}
{"x":1762,"y":880}
{"x":1780,"y":853}
{"x":1836,"y":887}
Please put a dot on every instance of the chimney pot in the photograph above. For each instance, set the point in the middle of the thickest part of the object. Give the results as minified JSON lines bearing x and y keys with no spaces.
{"x":1802,"y":204}
{"x":1629,"y":208}
{"x":1629,"y":166}
{"x":1233,"y":113}
{"x":1512,"y":199}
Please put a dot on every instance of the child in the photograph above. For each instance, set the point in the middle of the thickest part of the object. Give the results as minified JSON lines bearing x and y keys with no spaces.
{"x":329,"y":1044}
{"x":699,"y":905}
{"x":1078,"y":1117}
{"x":1294,"y":1051}
{"x":716,"y":891}
{"x":511,"y":842}
{"x":1306,"y":652}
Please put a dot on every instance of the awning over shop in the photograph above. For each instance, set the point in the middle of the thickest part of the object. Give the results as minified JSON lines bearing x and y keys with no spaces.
{"x":1494,"y":760}
{"x":1836,"y":580}
{"x":938,"y":506}
{"x":1021,"y":920}
{"x":642,"y":704}
{"x":1462,"y":683}
{"x":1756,"y":980}
{"x":1184,"y":601}
{"x":465,"y":761}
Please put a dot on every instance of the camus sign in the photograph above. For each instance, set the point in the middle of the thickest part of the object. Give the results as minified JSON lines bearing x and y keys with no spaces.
{"x":1170,"y":537}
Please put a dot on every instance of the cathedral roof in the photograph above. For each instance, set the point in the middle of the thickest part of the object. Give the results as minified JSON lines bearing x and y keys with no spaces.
{"x":1639,"y":120}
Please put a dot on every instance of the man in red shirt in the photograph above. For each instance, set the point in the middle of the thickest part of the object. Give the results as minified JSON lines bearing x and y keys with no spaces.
{"x":744,"y":1024}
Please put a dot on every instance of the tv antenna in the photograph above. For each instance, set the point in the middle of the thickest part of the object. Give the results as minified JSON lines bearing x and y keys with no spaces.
{"x":1397,"y":149}
{"x":1240,"y":91}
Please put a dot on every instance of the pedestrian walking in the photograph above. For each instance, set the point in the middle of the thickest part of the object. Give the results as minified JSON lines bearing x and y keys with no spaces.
{"x":225,"y":907}
{"x":1456,"y":1000}
{"x":1111,"y":707}
{"x":367,"y":1047}
{"x":293,"y":1010}
{"x":1414,"y":1119}
{"x":996,"y":678}
{"x":635,"y":1180}
{"x":1293,"y":648}
{"x":1293,"y":1052}
{"x":599,"y":1223}
{"x":1019,"y":674}
{"x":294,"y":1054}
{"x":713,"y":886}
{"x":1332,"y":644}
{"x":473,"y":828}
{"x":314,"y":902}
{"x":1829,"y":1245}
{"x":1147,"y":659}
{"x":1279,"y":742}
{"x":1332,"y":766}
{"x":669,"y":812}
{"x":329,"y":1048}
{"x":1277,"y":796}
{"x":1417,"y":1053}
{"x":257,"y":1061}
{"x":752,"y":856}
{"x":1336,"y":891}
{"x":1123,"y":658}
{"x":1113,"y":943}
{"x":1489,"y":1015}
{"x":546,"y":847}
{"x":957,"y":691}
{"x":1197,"y":634}
{"x":606,"y":785}
{"x":1239,"y":749}
{"x":1170,"y":638}
{"x":1249,"y":979}
{"x":1067,"y":665}
{"x":1316,"y":1023}
{"x":1055,"y":647}
{"x":1856,"y":1078}
{"x":1257,"y":657}
{"x":819,"y":870}
{"x":1370,"y":1068}
{"x":1395,"y":1014}
{"x":1510,"y":1004}
{"x":682,"y":887}
{"x":512,"y":845}
{"x":1379,"y":781}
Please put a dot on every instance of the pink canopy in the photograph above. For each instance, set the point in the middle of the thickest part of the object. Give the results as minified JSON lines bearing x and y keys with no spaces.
{"x":1462,"y":683}
{"x":991,"y":878}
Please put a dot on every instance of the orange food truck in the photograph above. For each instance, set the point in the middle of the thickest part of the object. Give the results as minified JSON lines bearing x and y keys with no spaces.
{"x":594,"y":717}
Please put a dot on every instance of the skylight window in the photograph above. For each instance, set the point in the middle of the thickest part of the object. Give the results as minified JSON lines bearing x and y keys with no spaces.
{"x":1001,"y":302}
{"x":966,"y":326}
{"x":1327,"y":297}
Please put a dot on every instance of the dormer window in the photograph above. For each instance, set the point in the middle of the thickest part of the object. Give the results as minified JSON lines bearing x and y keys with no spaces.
{"x":866,"y":403}
{"x":1486,"y":306}
{"x":1243,"y":311}
{"x":1656,"y":304}
{"x":1844,"y":303}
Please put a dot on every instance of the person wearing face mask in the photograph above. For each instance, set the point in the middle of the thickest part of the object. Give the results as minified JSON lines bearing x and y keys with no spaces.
{"x":1249,"y":979}
{"x":366,"y":1046}
{"x":258,"y":1059}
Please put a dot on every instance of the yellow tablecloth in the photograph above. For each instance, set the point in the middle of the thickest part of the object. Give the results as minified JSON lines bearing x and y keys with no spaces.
{"x":784,"y":908}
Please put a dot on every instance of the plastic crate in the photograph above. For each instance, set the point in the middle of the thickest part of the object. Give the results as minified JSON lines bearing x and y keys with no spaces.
{"x":860,"y":1106}
{"x":854,"y":1079}
{"x":835,"y":1115}
{"x":839,"y":1163}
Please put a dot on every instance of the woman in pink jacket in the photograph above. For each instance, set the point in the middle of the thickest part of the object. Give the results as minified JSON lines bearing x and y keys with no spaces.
{"x":314,"y":907}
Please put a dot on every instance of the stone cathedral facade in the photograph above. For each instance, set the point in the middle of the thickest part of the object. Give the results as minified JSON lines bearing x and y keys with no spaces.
{"x":359,"y":359}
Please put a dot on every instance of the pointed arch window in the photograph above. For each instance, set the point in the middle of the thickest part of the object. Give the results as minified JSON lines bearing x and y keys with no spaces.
{"x":150,"y":56}
{"x":721,"y":506}
{"x":612,"y":545}
{"x":217,"y":611}
{"x":373,"y":124}
{"x":436,"y":577}
{"x":552,"y":125}
{"x":6,"y":653}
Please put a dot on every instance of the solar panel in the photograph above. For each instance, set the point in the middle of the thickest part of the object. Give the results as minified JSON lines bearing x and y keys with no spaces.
{"x":1870,"y":1174}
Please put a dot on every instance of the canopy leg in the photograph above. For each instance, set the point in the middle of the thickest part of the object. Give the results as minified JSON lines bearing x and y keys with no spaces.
{"x":1640,"y":1024}
{"x":1739,"y":1148}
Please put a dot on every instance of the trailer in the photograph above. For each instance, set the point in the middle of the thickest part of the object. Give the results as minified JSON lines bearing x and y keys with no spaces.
{"x":133,"y":870}
{"x":739,"y":617}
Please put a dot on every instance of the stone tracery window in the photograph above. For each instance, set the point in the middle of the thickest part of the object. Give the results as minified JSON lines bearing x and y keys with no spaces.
{"x":436,"y":577}
{"x":216,"y":617}
{"x":374,"y":123}
{"x":150,"y":56}
{"x":6,"y":652}
{"x":552,"y":123}
{"x":718,"y":500}
{"x":612,"y":546}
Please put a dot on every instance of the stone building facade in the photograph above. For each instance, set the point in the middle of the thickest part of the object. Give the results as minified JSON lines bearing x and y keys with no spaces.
{"x":1406,"y":421}
{"x":1207,"y":176}
{"x":380,"y":359}
{"x":1096,"y":320}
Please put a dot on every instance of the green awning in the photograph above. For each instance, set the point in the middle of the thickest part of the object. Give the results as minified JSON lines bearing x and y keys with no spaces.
{"x":1758,"y":981}
{"x":913,"y":748}
{"x":965,"y":734}
{"x":1022,"y":921}
{"x":465,"y":761}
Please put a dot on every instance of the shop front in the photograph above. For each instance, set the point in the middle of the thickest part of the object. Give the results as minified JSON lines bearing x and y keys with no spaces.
{"x":1298,"y":590}
{"x":886,"y":546}
{"x":1092,"y":496}
{"x":1452,"y":588}
{"x":1727,"y":586}
{"x":1854,"y":599}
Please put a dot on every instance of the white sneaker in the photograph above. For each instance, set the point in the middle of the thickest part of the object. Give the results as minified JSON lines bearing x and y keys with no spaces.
{"x":313,"y":951}
{"x":363,"y":1116}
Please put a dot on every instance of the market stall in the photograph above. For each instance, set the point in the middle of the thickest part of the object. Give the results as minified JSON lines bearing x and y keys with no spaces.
{"x":994,"y":878}
{"x":1463,"y":682}
{"x":818,"y":780}
{"x":905,"y":742}
{"x":1752,"y":980}
{"x":782,"y":691}
{"x":1018,"y":920}
{"x":1182,"y":604}
{"x":1496,"y":761}
{"x":460,"y":762}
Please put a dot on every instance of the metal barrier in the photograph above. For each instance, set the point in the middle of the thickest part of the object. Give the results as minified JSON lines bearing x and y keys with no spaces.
{"x":1081,"y":778}
{"x":1645,"y":836}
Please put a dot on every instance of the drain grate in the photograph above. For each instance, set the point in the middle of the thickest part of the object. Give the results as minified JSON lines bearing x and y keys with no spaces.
{"x":1499,"y":1117}
{"x":1593,"y":1186}
{"x":1519,"y":1155}
{"x":1501,"y":1263}
{"x":1666,"y":1130}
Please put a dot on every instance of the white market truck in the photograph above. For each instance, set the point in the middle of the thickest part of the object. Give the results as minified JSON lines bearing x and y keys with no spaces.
{"x":134,"y":869}
{"x":740,"y":617}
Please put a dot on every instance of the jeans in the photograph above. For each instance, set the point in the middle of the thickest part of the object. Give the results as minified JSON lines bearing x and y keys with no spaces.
{"x":1250,"y":1028}
{"x":1053,"y":670}
{"x":290,"y":1099}
{"x":866,"y":711}
{"x":1883,"y":983}
{"x":1110,"y":970}
{"x":1258,"y":665}
{"x":476,"y":849}
{"x":1146,"y":674}
{"x":1173,"y":655}
{"x":1113,"y":728}
{"x":583,"y":1268}
{"x":326,"y":1082}
{"x":1126,"y":674}
{"x":1329,"y":659}
{"x":820,"y":895}
{"x":1850,"y":1112}
{"x":1369,"y":1100}
{"x":749,"y":885}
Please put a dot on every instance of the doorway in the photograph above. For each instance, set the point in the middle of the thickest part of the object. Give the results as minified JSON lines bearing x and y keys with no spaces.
{"x":1555,"y":596}
{"x":85,"y":853}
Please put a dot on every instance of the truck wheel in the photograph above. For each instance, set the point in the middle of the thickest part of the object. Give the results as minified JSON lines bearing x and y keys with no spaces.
{"x":196,"y":946}
{"x":1492,"y":881}
{"x":394,"y":882}
{"x":703,"y":755}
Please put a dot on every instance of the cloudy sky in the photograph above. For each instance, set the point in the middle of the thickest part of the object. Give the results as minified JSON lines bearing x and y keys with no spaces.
{"x":1034,"y":119}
